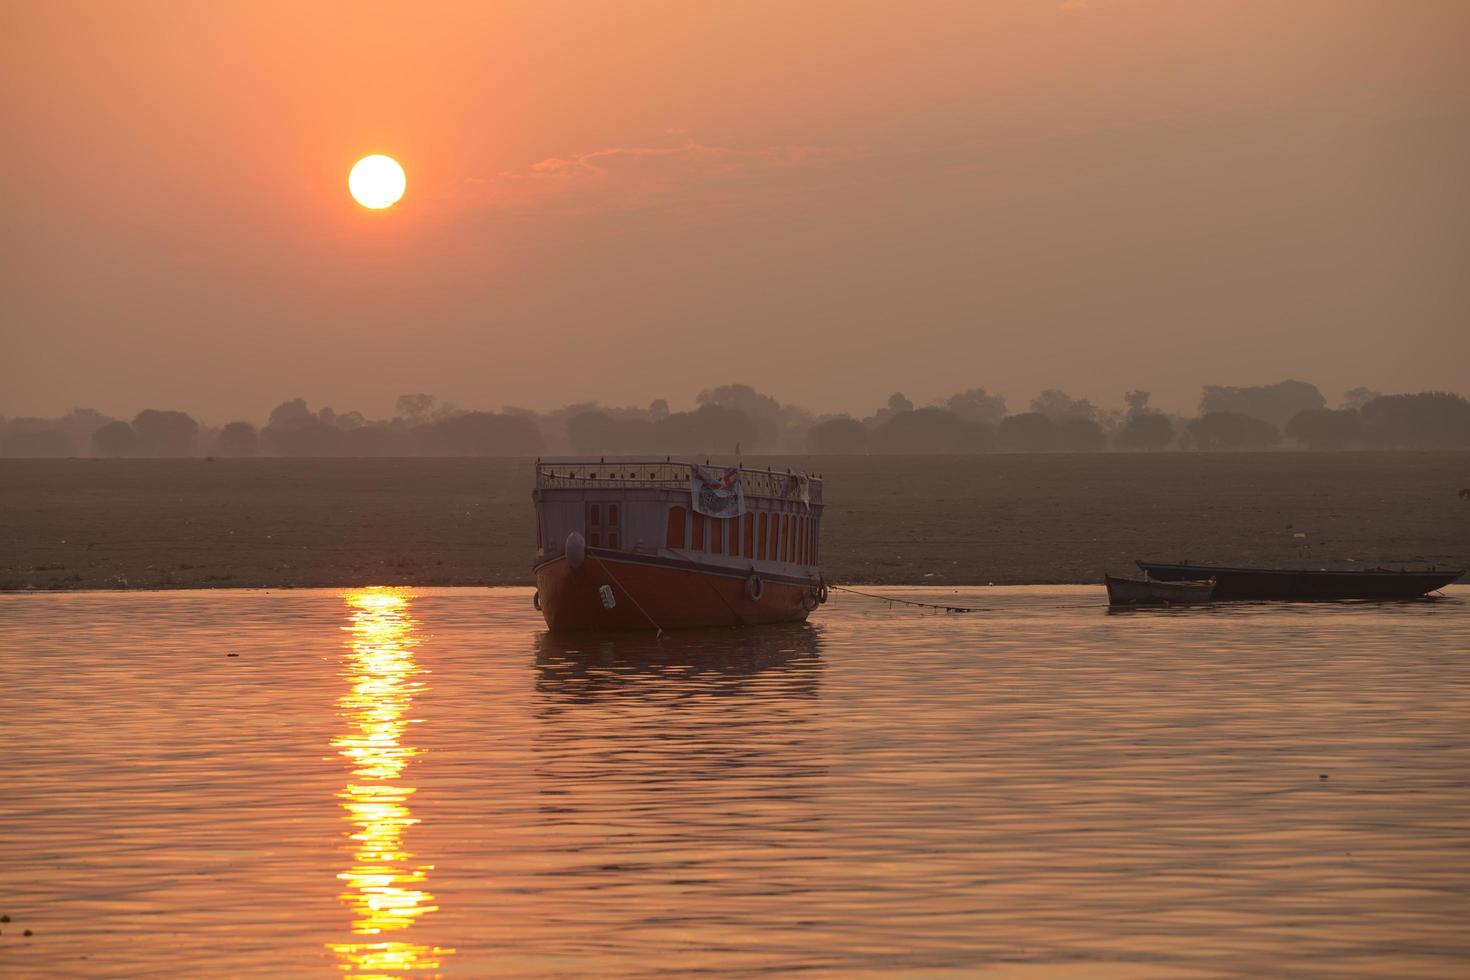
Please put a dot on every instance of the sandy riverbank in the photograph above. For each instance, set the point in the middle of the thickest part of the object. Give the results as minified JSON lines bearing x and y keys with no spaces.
{"x":1003,"y":519}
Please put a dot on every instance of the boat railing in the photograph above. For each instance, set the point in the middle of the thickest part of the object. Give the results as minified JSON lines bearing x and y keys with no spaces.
{"x":668,"y":475}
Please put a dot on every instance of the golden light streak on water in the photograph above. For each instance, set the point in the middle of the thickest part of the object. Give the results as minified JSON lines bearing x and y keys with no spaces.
{"x":385,"y":889}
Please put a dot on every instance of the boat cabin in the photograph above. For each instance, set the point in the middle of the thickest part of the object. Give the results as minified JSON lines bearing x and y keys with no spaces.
{"x":630,"y":508}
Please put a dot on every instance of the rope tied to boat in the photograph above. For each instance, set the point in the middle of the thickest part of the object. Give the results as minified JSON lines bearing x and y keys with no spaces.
{"x":937,"y":606}
{"x":635,"y":602}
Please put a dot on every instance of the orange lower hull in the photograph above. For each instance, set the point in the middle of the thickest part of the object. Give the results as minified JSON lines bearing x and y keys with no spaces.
{"x":645,"y":596}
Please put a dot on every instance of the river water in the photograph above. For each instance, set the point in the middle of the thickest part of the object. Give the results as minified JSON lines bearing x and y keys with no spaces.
{"x":396,"y":783}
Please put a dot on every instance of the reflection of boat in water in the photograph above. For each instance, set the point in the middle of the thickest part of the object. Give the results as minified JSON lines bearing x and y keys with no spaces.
{"x":385,"y":890}
{"x":1272,"y":583}
{"x":1149,"y":592}
{"x":707,"y":735}
{"x":781,"y":660}
{"x":635,"y":545}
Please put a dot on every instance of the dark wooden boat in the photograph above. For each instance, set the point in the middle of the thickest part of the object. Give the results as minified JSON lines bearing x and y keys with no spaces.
{"x":1306,"y":583}
{"x":1150,"y":592}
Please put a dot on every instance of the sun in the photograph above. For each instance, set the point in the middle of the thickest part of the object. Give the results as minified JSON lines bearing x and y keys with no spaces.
{"x":376,"y":182}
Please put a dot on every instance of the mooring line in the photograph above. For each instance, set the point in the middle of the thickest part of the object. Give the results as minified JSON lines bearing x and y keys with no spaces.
{"x":909,"y":602}
{"x":635,"y":602}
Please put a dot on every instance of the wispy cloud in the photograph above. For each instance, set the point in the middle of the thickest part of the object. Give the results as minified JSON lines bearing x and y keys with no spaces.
{"x":635,"y":177}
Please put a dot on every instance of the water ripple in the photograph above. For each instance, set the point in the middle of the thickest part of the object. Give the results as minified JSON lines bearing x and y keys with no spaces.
{"x":400,"y":783}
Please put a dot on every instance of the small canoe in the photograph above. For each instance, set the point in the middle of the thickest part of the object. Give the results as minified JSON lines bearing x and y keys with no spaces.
{"x":1147,"y":592}
{"x":1308,"y":584}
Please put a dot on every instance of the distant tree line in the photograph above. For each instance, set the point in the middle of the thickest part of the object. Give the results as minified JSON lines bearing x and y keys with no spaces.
{"x":1290,"y":414}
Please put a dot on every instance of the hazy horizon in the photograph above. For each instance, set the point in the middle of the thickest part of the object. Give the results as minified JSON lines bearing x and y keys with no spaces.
{"x":828,"y":203}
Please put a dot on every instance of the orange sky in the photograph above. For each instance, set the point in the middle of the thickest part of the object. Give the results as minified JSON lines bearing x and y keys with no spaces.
{"x":829,"y":201}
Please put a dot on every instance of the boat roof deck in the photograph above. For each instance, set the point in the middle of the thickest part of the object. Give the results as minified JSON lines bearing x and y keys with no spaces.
{"x":664,"y":474}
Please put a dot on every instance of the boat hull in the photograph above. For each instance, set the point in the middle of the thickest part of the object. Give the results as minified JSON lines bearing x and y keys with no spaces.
{"x":1306,"y":584}
{"x":649,"y":593}
{"x":1140,"y":592}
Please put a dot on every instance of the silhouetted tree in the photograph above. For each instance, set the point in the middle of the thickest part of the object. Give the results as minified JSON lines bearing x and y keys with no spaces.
{"x":1270,"y":403}
{"x":1428,"y":420}
{"x":977,"y":405}
{"x":1215,"y":431}
{"x":165,"y":433}
{"x":598,"y":433}
{"x":1029,"y":432}
{"x":114,"y":439}
{"x":487,"y":434}
{"x":658,"y":410}
{"x":1146,"y":430}
{"x":420,"y":409}
{"x":290,"y":412}
{"x":303,"y":436}
{"x":1061,"y":407}
{"x":78,"y":426}
{"x":923,"y":430}
{"x":1080,"y":435}
{"x":976,"y":437}
{"x":838,"y":436}
{"x":593,"y":432}
{"x":1326,"y":428}
{"x":237,"y":439}
{"x":707,"y":429}
{"x":761,"y":409}
{"x":1355,"y":398}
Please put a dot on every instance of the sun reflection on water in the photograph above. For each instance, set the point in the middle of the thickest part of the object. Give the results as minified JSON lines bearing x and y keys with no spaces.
{"x":384,"y":889}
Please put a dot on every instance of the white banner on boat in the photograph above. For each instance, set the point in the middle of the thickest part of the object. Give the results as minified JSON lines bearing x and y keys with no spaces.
{"x":715,"y":493}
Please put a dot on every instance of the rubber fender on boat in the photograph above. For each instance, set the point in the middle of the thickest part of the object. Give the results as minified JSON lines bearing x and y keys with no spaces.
{"x":822,"y":592}
{"x":809,"y":601}
{"x":536,"y":599}
{"x":754,"y":588}
{"x":576,"y":549}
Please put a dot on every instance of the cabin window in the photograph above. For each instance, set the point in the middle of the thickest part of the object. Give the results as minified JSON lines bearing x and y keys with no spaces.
{"x":696,"y":540}
{"x":716,"y":536}
{"x":760,"y":551}
{"x":677,"y":516}
{"x":602,"y":532}
{"x":749,"y":536}
{"x":734,"y":548}
{"x":787,"y":523}
{"x":614,"y":527}
{"x":594,"y":525}
{"x":801,"y":540}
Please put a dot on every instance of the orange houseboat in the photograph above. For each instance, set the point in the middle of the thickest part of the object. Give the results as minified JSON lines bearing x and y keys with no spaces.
{"x":628,"y":544}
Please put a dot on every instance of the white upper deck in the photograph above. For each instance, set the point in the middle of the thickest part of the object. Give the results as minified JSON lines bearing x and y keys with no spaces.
{"x":657,"y":509}
{"x":665,"y":474}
